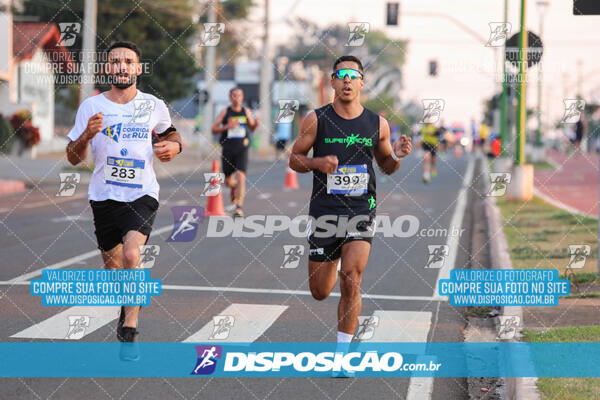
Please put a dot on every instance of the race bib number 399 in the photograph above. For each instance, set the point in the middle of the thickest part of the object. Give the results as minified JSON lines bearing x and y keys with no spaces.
{"x":126,"y":172}
{"x":350,"y":180}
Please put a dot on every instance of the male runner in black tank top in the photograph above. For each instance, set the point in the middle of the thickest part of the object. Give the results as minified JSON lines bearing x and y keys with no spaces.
{"x":235,"y":124}
{"x":345,"y":137}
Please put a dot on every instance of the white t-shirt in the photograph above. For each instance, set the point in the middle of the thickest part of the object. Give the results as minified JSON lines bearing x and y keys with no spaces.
{"x":122,"y":150}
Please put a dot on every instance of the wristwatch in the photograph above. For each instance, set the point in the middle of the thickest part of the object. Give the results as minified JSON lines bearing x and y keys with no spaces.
{"x":180,"y":147}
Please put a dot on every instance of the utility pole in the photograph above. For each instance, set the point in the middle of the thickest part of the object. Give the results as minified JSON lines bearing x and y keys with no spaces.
{"x":265,"y":86}
{"x":209,"y":77}
{"x":88,"y":49}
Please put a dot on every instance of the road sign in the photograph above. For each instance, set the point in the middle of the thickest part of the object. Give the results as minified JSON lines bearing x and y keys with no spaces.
{"x":534,"y":49}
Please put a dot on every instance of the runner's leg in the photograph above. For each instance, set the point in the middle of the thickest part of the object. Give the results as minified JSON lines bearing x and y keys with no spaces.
{"x":355,"y":255}
{"x":113,"y":258}
{"x":131,"y":257}
{"x":322,"y":276}
{"x":240,"y":190}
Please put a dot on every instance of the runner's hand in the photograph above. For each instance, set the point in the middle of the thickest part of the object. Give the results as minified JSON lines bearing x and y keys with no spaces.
{"x":166,"y":151}
{"x":232,"y":123}
{"x":402,"y":147}
{"x":327,"y":164}
{"x":94,"y":125}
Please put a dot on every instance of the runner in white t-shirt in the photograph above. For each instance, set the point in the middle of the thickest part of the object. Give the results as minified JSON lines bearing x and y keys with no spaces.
{"x":119,"y":124}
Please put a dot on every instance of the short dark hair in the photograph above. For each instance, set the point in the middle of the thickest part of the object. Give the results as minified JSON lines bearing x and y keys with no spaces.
{"x":234,"y":89}
{"x":127,"y":45}
{"x":348,"y":58}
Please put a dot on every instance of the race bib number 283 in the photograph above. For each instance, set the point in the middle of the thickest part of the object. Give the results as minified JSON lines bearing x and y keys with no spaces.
{"x":126,"y":172}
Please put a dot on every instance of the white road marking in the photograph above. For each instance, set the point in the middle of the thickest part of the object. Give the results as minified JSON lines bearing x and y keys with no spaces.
{"x":264,"y":196}
{"x":292,"y":204}
{"x":57,"y":326}
{"x":69,"y":218}
{"x":250,"y":322}
{"x":70,"y":261}
{"x":407,"y":326}
{"x":455,"y":226}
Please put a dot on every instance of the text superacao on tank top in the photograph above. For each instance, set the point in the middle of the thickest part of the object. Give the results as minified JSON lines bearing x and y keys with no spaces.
{"x":350,"y":190}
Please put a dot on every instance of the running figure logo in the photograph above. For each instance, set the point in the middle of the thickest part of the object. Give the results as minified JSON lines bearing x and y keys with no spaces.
{"x":148,"y":255}
{"x":142,"y":110}
{"x":432,"y":109}
{"x":371,"y":203}
{"x":291,"y":255}
{"x":578,"y":253}
{"x":212,"y":34}
{"x":213,"y":184}
{"x":207,"y":359}
{"x":498,"y":183}
{"x":287,"y":110}
{"x":222,"y":325}
{"x":437,"y":255}
{"x":366,"y":327}
{"x":186,"y":221}
{"x":573,"y":110}
{"x":507,"y":328}
{"x":68,"y":183}
{"x":499,"y":32}
{"x":68,"y":33}
{"x":77,"y":326}
{"x":358,"y":32}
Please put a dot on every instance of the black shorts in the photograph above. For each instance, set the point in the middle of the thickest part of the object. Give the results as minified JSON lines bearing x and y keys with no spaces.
{"x":234,"y":158}
{"x":113,"y":219}
{"x":325,"y":249}
{"x":280,"y":144}
{"x":429,"y":147}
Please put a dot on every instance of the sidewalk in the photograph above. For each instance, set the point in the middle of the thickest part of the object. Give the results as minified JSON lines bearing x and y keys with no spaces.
{"x":573,"y":185}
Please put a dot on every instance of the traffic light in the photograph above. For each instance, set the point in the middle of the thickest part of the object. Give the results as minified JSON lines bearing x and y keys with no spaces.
{"x":586,"y":7}
{"x":433,"y":68}
{"x":392,"y":13}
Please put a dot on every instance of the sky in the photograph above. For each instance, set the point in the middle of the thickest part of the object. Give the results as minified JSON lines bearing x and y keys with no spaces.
{"x":467,"y":68}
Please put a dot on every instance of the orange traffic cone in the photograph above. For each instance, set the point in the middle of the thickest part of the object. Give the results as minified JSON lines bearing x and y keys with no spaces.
{"x":291,"y":179}
{"x":214,"y":204}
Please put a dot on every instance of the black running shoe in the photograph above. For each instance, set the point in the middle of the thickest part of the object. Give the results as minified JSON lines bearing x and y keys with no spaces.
{"x":128,"y":334}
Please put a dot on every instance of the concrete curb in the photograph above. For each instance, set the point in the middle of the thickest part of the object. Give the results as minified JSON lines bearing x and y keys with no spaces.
{"x":518,"y":388}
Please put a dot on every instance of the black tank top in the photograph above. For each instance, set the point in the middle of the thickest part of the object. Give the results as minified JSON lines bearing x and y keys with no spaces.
{"x":235,"y":137}
{"x":350,"y":191}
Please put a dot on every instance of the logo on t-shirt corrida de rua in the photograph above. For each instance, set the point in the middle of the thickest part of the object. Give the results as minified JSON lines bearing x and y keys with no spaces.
{"x":113,"y":132}
{"x":126,"y":132}
{"x":352,"y":139}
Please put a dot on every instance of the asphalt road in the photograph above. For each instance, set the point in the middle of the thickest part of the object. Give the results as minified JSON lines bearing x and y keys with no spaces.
{"x":244,"y":278}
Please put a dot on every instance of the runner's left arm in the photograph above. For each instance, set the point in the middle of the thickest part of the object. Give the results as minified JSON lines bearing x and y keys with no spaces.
{"x":252,"y":122}
{"x":383,"y":153}
{"x":169,"y":146}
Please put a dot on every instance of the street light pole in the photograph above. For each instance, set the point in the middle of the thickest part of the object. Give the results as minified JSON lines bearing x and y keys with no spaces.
{"x":265,"y":86}
{"x":521,"y":111}
{"x":503,"y":100}
{"x":542,"y":4}
{"x":88,"y":49}
{"x":209,"y":77}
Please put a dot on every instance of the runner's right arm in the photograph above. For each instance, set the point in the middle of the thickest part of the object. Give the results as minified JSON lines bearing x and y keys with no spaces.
{"x":217,"y":126}
{"x":298,"y":159}
{"x":77,"y":149}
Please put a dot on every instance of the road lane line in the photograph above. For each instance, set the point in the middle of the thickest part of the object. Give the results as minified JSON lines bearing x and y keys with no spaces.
{"x":93,"y":253}
{"x":455,"y":226}
{"x":250,"y":321}
{"x":57,"y":326}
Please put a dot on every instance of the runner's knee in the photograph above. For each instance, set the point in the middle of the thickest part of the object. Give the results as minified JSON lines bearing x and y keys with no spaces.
{"x":131,"y":255}
{"x":318,"y":293}
{"x":350,"y":283}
